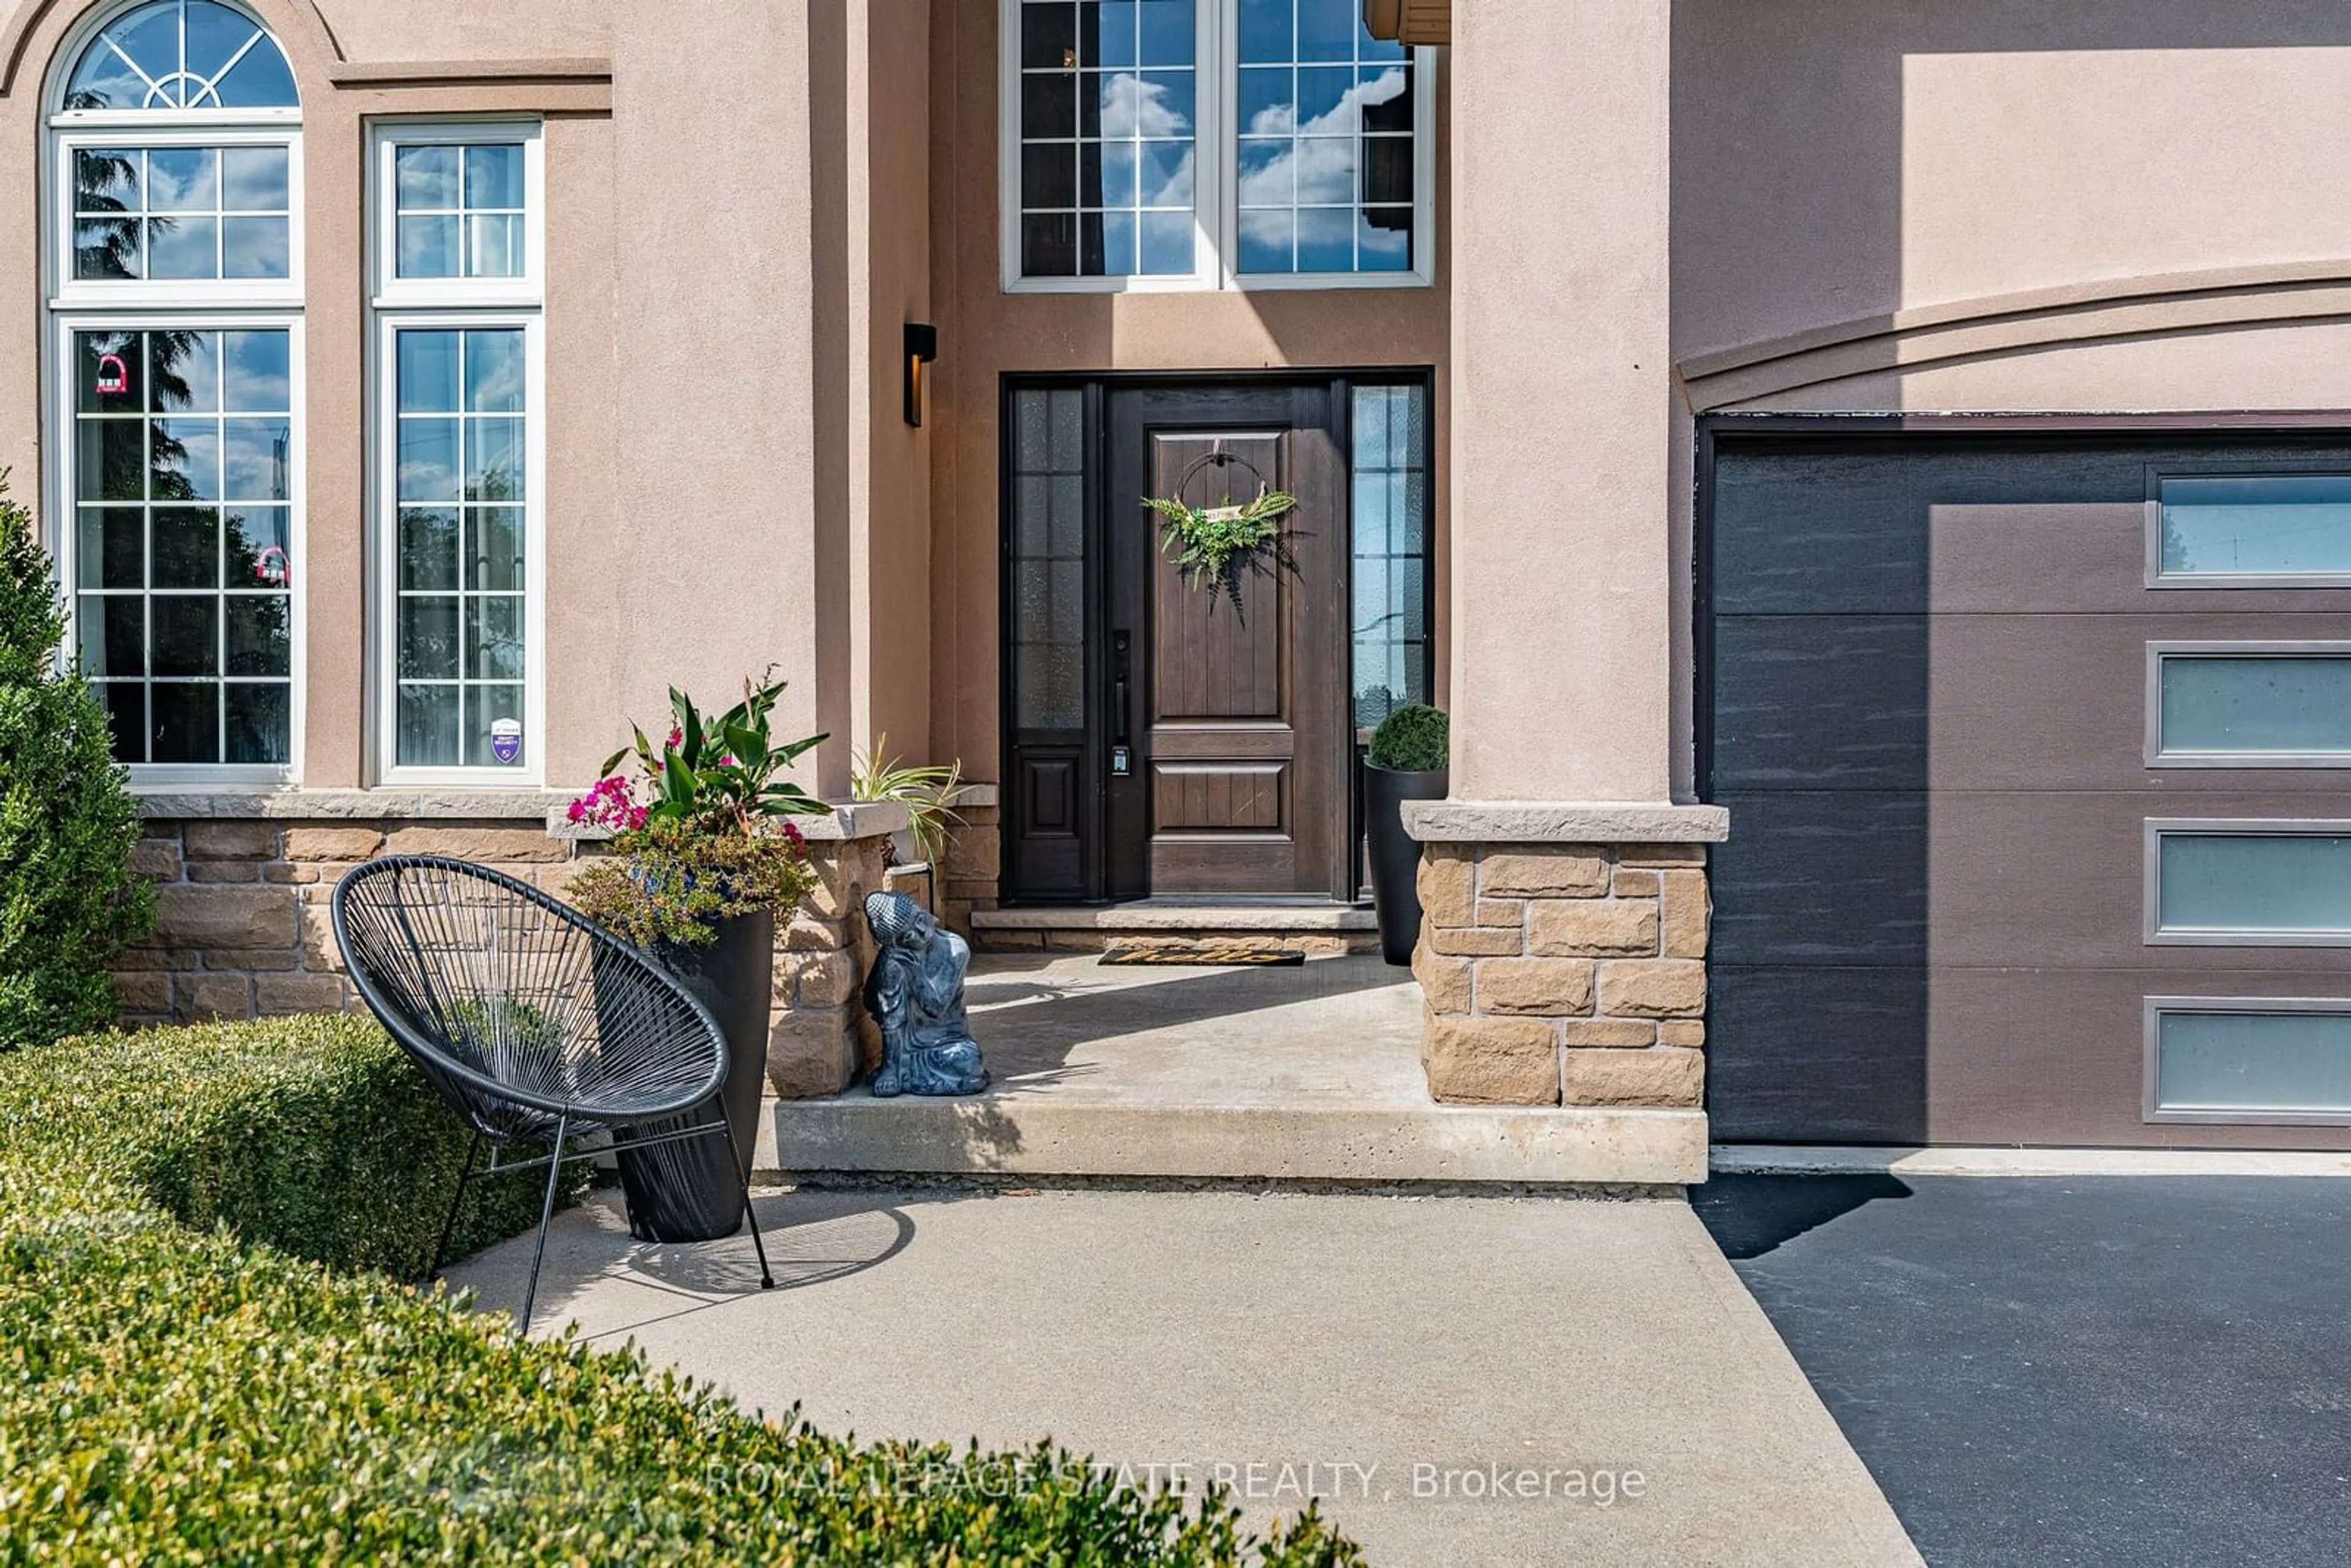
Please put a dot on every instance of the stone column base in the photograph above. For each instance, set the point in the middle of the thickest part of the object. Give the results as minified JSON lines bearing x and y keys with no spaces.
{"x":820,"y":1039}
{"x":1563,"y":971}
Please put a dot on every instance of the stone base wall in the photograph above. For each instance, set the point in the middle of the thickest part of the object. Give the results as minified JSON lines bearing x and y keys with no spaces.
{"x":241,"y":922}
{"x":1564,"y":973}
{"x":242,"y":926}
{"x":973,"y":866}
{"x":821,"y":1039}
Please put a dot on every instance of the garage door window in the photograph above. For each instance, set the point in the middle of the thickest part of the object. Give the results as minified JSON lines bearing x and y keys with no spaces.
{"x":2250,"y":530}
{"x":2269,"y":885}
{"x":2284,"y":705}
{"x":2248,"y":1060}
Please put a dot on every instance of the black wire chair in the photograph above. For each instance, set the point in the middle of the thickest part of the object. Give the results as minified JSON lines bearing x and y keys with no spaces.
{"x":536,"y":1024}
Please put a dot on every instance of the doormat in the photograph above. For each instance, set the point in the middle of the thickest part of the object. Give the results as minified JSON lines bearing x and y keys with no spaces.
{"x":1228,"y":953}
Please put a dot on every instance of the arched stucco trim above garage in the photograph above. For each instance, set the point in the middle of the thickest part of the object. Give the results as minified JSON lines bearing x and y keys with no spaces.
{"x":300,"y":30}
{"x":2035,"y":319}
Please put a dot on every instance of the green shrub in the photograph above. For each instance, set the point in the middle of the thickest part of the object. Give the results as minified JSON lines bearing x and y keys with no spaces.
{"x":188,"y":1393}
{"x":67,"y":898}
{"x":1412,"y":738}
{"x":167,"y":1398}
{"x":311,"y":1135}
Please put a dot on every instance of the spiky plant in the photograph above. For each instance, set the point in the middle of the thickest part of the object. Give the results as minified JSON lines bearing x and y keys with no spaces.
{"x":928,"y":791}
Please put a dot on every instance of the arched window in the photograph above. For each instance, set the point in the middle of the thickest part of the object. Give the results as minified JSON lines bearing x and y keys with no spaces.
{"x":181,"y":54}
{"x":174,"y":289}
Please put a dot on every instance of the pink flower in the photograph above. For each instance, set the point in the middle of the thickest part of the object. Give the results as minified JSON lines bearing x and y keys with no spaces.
{"x":608,"y":805}
{"x":798,"y":840}
{"x":676,"y":738}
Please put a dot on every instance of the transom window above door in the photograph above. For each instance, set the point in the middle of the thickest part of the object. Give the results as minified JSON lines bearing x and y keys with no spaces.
{"x":1169,"y":144}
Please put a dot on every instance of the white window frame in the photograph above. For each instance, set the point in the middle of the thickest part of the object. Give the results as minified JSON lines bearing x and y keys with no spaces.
{"x":78,"y":305}
{"x":1215,"y":183}
{"x":67,"y":531}
{"x":391,"y":291}
{"x":453,"y":305}
{"x":69,"y":134}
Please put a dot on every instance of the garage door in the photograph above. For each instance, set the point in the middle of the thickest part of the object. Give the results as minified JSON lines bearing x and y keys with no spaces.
{"x":2035,"y":752}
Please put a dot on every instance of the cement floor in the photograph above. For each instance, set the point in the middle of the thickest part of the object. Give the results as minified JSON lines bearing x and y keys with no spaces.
{"x":1368,"y":1349}
{"x":1331,"y":1031}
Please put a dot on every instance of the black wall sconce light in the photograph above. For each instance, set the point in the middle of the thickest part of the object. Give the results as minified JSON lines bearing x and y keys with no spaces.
{"x":922,"y":348}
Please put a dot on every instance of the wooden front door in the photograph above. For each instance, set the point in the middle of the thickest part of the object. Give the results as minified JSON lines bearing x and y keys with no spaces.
{"x":1225,"y":771}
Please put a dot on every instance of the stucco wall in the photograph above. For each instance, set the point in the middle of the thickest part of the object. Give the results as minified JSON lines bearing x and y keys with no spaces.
{"x":1860,"y":186}
{"x":717,"y":502}
{"x":471,"y":30}
{"x":890,"y":587}
{"x":1564,"y":398}
{"x":986,"y":334}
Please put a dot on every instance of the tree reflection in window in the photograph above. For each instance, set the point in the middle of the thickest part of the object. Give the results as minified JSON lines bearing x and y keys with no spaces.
{"x":184,"y":551}
{"x":180,"y":490}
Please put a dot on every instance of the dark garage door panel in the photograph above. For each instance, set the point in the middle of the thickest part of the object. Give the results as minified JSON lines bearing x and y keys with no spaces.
{"x":2052,"y":702}
{"x":1818,"y":1053}
{"x":1926,"y":709}
{"x":1833,"y":877}
{"x":2056,"y":880}
{"x":2055,"y":1056}
{"x":1821,"y":702}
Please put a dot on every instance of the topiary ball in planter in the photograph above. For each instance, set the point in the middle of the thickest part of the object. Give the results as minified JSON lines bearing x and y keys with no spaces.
{"x":1407,"y":761}
{"x":1414,"y":738}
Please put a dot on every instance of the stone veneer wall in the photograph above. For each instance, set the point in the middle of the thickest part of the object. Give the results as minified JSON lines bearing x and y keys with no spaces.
{"x":1564,"y":973}
{"x":241,"y":923}
{"x":974,"y":866}
{"x":242,"y":926}
{"x":820,"y":1038}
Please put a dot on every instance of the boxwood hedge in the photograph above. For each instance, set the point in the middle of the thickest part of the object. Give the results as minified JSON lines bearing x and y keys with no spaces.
{"x":198,"y":1363}
{"x":312,"y":1135}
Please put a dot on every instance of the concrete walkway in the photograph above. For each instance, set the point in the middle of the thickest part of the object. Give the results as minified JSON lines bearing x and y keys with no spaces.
{"x":1367,"y":1349}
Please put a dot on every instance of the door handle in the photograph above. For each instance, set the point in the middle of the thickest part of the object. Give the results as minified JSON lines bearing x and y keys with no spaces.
{"x":1122,"y":753}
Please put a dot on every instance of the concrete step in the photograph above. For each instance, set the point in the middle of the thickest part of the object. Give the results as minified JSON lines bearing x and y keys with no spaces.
{"x":1318,"y":928}
{"x":1307,"y":1074}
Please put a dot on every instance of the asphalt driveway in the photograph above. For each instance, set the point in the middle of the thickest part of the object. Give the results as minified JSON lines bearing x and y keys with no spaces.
{"x":2112,"y":1370}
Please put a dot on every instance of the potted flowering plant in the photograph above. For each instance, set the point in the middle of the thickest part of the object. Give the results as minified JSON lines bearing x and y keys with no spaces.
{"x":703,"y":853}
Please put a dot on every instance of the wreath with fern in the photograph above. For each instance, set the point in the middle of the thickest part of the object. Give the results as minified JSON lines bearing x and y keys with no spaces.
{"x":1209,"y":543}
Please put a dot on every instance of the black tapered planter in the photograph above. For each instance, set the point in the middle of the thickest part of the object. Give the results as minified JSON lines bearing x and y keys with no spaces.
{"x":690,"y":1190}
{"x":1395,"y":853}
